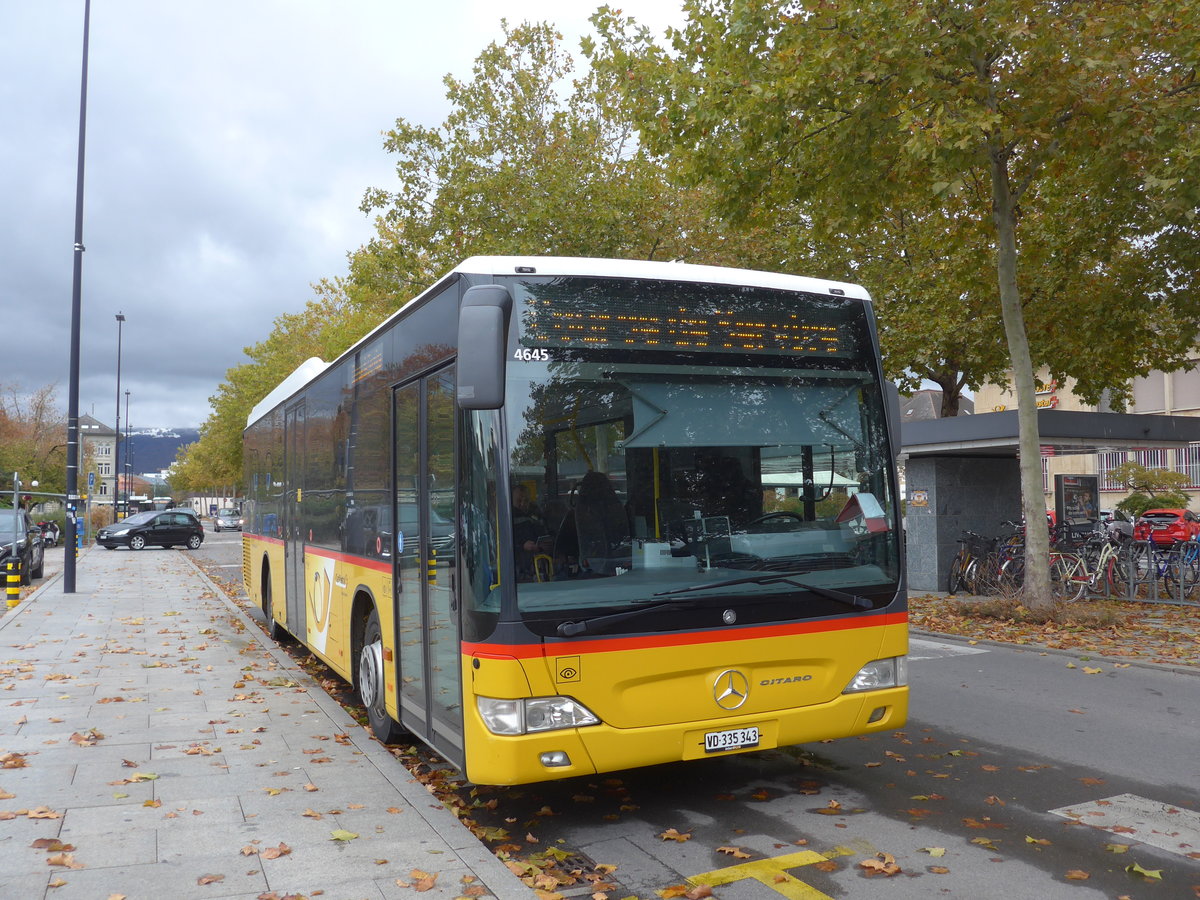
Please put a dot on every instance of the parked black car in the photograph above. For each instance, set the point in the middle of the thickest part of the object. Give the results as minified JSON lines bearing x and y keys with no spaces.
{"x":25,"y":546}
{"x":171,"y":528}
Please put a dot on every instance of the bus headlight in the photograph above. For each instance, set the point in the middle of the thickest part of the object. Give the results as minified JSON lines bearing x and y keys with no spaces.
{"x":879,"y":674}
{"x":533,"y":714}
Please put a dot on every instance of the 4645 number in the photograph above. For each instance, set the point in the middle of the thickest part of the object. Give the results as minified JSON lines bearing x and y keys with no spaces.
{"x":530,"y":354}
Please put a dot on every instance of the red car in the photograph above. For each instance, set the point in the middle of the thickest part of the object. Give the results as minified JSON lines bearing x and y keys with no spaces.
{"x":1166,"y":526}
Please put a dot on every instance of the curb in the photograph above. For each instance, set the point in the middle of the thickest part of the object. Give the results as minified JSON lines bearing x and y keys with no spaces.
{"x":1176,"y":668}
{"x":499,"y":879}
{"x":10,"y":615}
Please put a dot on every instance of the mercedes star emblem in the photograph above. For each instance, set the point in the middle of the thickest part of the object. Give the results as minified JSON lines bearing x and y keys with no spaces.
{"x":731,"y":689}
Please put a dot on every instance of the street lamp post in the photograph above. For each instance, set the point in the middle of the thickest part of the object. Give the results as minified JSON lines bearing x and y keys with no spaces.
{"x":76,"y":304}
{"x":126,"y":452}
{"x":117,"y":429}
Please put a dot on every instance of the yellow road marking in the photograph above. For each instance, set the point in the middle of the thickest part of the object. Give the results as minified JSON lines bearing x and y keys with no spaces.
{"x":768,"y":872}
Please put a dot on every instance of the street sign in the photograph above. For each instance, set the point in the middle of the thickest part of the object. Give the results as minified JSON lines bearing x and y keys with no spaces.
{"x":91,"y":481}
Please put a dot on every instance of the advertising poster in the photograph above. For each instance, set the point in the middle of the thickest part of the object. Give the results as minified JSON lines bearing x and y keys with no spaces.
{"x":1077,"y":499}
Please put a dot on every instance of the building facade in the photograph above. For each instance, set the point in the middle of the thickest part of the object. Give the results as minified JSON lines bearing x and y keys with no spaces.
{"x":1159,"y":393}
{"x":98,"y":443}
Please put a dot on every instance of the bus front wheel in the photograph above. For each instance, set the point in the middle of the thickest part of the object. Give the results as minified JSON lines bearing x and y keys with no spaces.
{"x":275,"y":631}
{"x":370,"y":680}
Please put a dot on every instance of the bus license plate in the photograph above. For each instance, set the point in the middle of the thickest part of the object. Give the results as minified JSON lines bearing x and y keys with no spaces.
{"x":716,"y":741}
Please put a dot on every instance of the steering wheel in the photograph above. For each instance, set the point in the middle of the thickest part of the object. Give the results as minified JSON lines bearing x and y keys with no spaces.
{"x":783,"y":514}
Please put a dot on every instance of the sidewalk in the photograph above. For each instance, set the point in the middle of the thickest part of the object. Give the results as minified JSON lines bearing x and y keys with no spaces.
{"x":151,"y":746}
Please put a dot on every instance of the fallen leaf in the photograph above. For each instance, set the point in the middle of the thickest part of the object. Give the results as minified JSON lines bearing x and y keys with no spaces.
{"x":210,"y":879}
{"x":340,"y":834}
{"x":934,"y":851}
{"x":881,"y":864}
{"x":51,"y":844}
{"x":422,"y":881}
{"x":735,"y":852}
{"x":939,"y":870}
{"x":672,"y":835}
{"x":1154,"y":874}
{"x":1042,"y":841}
{"x":1078,"y":875}
{"x":66,"y":860}
{"x":699,"y":892}
{"x":276,"y":852}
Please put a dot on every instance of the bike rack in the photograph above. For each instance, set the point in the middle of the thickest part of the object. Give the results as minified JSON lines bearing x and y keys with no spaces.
{"x":1158,"y":588}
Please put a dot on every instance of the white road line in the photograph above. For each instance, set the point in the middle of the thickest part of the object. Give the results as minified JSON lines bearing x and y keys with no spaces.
{"x":229,"y":566}
{"x":919,"y":648}
{"x":1137,"y":818}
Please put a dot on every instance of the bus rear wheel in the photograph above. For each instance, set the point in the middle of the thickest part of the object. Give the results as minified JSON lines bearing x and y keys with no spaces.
{"x":369,"y":677}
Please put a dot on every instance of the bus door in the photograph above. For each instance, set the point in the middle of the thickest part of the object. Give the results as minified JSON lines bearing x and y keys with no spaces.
{"x":293,"y":537}
{"x":425,"y":513}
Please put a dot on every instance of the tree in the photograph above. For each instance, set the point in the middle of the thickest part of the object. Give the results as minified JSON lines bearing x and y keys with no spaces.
{"x":1061,"y":134}
{"x":1151,"y":488}
{"x":527,"y":162}
{"x":328,"y":324}
{"x":530,"y":162}
{"x":32,"y":437}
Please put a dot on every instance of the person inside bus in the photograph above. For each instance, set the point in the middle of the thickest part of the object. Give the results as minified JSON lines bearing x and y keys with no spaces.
{"x":531,"y":536}
{"x":601,"y":532}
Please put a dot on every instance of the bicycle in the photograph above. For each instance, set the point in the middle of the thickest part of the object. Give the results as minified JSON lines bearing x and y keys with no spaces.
{"x":1189,"y":567}
{"x":964,"y":566}
{"x":1069,"y":575}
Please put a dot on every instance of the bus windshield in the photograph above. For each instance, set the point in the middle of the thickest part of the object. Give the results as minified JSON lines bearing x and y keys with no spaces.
{"x":644,"y":473}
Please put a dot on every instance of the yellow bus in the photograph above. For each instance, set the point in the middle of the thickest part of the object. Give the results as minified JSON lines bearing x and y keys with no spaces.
{"x":563,"y":516}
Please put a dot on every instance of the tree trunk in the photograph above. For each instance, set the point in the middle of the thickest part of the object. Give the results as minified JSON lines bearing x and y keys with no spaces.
{"x":951,"y":395}
{"x":1033,"y":501}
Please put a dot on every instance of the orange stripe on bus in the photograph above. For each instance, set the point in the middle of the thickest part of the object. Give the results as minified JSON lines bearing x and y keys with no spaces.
{"x":684,"y":639}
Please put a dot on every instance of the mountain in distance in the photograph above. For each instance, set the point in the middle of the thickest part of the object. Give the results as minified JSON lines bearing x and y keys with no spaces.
{"x":154,"y":449}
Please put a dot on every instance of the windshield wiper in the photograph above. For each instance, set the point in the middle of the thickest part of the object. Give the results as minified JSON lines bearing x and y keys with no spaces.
{"x":852,"y":600}
{"x":586,"y":626}
{"x":590,"y":626}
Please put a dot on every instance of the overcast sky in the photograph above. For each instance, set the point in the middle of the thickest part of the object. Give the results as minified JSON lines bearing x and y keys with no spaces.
{"x":229,"y":143}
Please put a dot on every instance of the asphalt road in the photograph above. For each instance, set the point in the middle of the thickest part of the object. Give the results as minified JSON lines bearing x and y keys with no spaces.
{"x":1020,"y":774}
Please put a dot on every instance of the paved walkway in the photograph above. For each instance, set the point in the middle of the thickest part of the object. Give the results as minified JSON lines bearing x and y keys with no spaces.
{"x":151,"y":746}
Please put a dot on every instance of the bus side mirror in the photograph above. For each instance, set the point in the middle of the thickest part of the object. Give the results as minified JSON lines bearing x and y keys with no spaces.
{"x":483,"y":346}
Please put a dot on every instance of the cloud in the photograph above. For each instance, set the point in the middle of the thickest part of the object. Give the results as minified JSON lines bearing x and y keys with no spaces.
{"x":228,"y":147}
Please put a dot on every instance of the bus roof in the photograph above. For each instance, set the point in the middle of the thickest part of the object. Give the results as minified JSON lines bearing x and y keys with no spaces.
{"x":641,"y":268}
{"x":302,"y":375}
{"x":571,"y":265}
